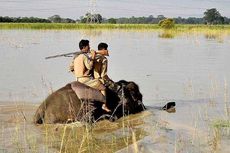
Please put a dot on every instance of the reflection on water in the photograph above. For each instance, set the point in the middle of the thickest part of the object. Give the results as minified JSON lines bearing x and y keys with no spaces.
{"x":212,"y":36}
{"x":215,"y":36}
{"x":189,"y":66}
{"x":167,"y":34}
{"x":93,"y":33}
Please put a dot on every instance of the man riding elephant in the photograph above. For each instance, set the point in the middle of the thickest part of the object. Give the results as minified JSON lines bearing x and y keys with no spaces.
{"x":83,"y":68}
{"x":101,"y":65}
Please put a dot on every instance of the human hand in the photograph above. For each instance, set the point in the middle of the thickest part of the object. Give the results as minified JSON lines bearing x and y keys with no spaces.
{"x":93,"y":53}
{"x":103,"y":52}
{"x":106,"y":52}
{"x":71,"y":67}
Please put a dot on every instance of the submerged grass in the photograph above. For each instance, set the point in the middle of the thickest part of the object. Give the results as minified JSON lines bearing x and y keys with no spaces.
{"x":221,"y":130}
{"x":66,"y":26}
{"x":210,"y":32}
{"x":70,"y":26}
{"x":103,"y":136}
{"x":221,"y":124}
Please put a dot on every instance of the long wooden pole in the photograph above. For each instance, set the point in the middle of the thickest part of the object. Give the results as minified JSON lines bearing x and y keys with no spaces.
{"x":65,"y":55}
{"x":102,"y":52}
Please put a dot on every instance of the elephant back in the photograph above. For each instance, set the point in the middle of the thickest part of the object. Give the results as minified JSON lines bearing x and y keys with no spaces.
{"x":86,"y":93}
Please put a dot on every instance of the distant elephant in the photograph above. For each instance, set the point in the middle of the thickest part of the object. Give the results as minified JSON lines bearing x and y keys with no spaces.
{"x":63,"y":106}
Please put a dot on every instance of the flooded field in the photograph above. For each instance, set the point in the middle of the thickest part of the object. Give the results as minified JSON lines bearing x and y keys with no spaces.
{"x":196,"y":126}
{"x":189,"y":68}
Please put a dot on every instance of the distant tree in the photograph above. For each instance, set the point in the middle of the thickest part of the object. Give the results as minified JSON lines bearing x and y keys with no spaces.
{"x":88,"y":17}
{"x":121,"y":20}
{"x":191,"y":20}
{"x":132,"y":20}
{"x":23,"y":19}
{"x":91,"y":18}
{"x":149,"y":19}
{"x":67,"y":20}
{"x":167,"y":23}
{"x":97,"y":18}
{"x":6,"y":19}
{"x":212,"y":16}
{"x":55,"y":19}
{"x":83,"y":19}
{"x":179,"y":20}
{"x":161,"y":17}
{"x":58,"y":19}
{"x":112,"y":21}
{"x":141,"y":20}
{"x":226,"y":20}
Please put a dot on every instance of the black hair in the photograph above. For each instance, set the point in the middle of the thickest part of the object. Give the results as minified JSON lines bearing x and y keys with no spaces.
{"x":83,"y":43}
{"x":102,"y":46}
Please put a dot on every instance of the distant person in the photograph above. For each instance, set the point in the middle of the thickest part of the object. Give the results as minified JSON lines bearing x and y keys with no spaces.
{"x":82,"y":67}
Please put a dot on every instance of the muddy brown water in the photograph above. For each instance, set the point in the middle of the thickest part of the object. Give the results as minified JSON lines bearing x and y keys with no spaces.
{"x":189,"y":129}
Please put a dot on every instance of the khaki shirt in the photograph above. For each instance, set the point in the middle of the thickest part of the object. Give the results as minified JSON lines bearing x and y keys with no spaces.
{"x":83,"y":65}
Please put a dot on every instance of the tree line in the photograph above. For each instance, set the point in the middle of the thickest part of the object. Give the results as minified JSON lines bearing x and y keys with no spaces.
{"x":54,"y":19}
{"x":23,"y":19}
{"x":211,"y":16}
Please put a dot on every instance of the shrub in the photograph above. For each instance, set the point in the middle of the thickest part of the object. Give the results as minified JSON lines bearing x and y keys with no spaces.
{"x":166,"y":23}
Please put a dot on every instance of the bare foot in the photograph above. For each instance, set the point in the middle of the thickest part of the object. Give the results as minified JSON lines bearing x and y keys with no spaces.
{"x":104,"y":107}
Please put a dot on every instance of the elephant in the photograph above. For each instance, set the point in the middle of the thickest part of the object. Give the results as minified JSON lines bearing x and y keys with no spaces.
{"x":64,"y":105}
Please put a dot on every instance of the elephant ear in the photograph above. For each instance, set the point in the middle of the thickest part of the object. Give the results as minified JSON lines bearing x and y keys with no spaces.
{"x":135,"y":103}
{"x":133,"y":89}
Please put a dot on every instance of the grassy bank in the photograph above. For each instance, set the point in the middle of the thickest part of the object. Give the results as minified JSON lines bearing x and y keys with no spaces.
{"x":66,"y":26}
{"x":69,"y":26}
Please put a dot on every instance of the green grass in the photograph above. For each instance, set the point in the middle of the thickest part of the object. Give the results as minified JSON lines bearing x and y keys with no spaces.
{"x":222,"y":124}
{"x":67,"y":26}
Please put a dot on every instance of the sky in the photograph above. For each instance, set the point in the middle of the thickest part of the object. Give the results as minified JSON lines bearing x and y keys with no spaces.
{"x":111,"y":8}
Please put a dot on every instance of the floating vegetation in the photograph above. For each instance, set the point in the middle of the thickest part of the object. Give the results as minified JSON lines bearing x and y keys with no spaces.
{"x":215,"y":35}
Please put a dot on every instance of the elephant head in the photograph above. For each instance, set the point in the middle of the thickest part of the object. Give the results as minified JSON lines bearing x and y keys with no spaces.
{"x":127,"y":100}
